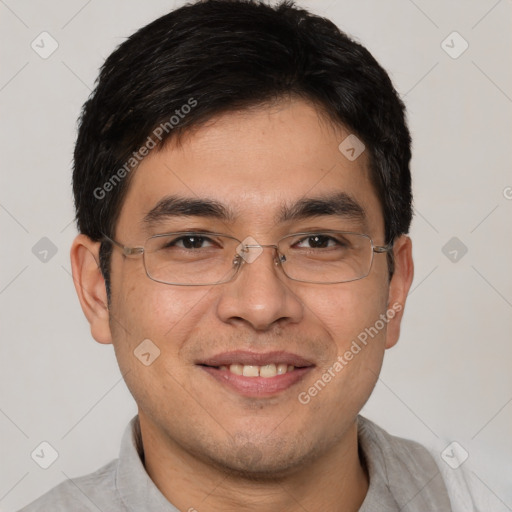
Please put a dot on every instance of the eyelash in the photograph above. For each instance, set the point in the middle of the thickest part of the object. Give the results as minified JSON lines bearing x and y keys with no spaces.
{"x":205,"y":238}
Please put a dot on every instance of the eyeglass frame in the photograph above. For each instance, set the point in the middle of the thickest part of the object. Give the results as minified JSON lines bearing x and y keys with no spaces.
{"x":134,"y":251}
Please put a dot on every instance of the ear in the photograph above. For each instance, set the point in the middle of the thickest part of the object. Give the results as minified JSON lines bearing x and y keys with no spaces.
{"x":90,"y":286}
{"x":399,"y":287}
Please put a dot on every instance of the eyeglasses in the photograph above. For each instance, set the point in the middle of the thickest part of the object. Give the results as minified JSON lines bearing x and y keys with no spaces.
{"x":202,"y":258}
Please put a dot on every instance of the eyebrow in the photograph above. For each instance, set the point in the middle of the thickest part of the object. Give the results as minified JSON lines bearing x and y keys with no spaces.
{"x":175,"y":206}
{"x":339,"y":204}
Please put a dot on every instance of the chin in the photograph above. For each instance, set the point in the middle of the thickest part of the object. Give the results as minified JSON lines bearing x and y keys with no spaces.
{"x":266,"y":462}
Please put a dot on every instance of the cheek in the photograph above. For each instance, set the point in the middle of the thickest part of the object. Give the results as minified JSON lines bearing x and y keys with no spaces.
{"x":150,"y":308}
{"x":348,"y":309}
{"x":351,"y":314}
{"x":151,"y":323}
{"x":146,"y":310}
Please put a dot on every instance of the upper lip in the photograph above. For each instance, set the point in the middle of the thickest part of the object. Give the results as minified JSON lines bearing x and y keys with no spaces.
{"x":255,"y":358}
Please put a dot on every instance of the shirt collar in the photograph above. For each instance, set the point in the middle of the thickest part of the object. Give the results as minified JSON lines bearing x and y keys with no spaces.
{"x":393,"y":484}
{"x":135,"y":487}
{"x":403,"y":475}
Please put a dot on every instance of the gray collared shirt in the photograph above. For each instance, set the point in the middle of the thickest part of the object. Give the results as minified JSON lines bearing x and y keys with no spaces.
{"x":403,"y":477}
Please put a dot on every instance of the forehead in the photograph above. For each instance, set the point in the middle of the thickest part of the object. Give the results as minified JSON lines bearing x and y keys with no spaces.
{"x":255,"y":162}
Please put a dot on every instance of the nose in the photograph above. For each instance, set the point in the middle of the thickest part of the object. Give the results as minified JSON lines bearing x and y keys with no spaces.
{"x":260,"y":294}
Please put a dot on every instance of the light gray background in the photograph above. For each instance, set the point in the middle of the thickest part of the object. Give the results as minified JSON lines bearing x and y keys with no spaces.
{"x":449,"y":378}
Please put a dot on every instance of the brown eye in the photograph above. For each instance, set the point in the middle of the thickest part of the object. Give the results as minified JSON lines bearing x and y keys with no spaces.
{"x":317,"y":242}
{"x":189,"y":242}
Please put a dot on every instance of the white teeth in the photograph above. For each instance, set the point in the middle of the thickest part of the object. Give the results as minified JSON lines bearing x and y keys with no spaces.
{"x":269,"y":370}
{"x":282,"y":368}
{"x":251,"y":371}
{"x":266,"y":371}
{"x":238,"y":369}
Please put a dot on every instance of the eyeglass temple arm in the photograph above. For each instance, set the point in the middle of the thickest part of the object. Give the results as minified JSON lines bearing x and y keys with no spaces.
{"x":127,"y":251}
{"x":382,"y":248}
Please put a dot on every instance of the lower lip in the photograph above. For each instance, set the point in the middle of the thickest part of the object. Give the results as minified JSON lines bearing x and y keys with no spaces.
{"x":257,"y":386}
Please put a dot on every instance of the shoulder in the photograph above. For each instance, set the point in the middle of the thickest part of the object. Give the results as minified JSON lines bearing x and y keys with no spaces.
{"x":400,"y":458}
{"x":83,"y":494}
{"x":393,"y":454}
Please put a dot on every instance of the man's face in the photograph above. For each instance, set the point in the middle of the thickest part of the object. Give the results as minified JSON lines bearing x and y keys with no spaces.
{"x":256,"y":164}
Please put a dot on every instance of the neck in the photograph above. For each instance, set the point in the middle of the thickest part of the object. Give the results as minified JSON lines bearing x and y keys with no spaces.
{"x":334,"y":481}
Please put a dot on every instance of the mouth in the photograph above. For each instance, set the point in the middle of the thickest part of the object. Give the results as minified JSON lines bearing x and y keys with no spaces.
{"x":266,"y":371}
{"x":257,"y":374}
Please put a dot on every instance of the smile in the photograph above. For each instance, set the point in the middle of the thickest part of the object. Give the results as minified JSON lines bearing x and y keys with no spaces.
{"x":257,"y":375}
{"x":267,"y":371}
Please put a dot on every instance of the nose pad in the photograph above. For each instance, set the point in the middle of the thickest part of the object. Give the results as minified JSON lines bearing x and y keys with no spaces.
{"x":239,"y":259}
{"x":249,"y":250}
{"x":279,"y":259}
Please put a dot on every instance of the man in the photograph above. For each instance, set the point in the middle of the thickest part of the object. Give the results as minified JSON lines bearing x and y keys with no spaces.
{"x":243,"y":198}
